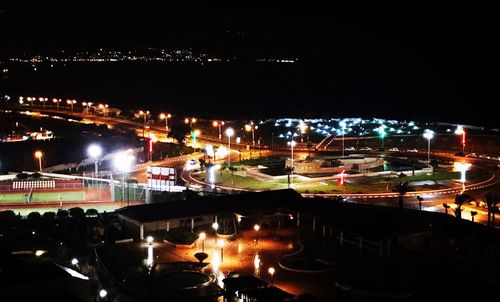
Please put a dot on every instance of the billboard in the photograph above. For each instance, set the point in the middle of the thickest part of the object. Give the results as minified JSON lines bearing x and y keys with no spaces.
{"x":161,"y":178}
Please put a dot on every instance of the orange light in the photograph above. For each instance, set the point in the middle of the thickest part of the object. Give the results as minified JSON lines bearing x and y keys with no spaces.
{"x":38,"y":154}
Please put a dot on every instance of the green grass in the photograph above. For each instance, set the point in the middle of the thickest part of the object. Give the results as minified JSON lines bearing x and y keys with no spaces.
{"x":43,"y":197}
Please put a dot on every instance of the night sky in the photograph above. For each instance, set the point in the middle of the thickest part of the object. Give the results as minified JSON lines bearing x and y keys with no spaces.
{"x":406,"y":59}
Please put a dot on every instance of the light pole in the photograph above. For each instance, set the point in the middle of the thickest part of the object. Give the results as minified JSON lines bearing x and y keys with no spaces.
{"x":145,"y":115}
{"x":271,"y":272}
{"x":190,"y":121}
{"x":95,"y":151}
{"x":215,"y":226}
{"x":343,"y":126}
{"x":221,"y":244}
{"x":382,"y":133}
{"x":460,"y":131}
{"x":428,"y":134}
{"x":39,"y":155}
{"x":292,"y":144}
{"x":123,"y":161}
{"x":165,"y":117}
{"x":71,"y":103}
{"x":256,"y":227}
{"x":302,"y":128}
{"x":219,"y":124}
{"x":229,"y":133}
{"x":252,"y":127}
{"x":202,"y":237}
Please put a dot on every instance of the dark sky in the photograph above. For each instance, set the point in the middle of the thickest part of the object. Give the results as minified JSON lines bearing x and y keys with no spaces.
{"x":424,"y":58}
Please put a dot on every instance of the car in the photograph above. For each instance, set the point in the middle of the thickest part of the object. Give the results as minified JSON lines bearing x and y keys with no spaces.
{"x":485,"y":156}
{"x":412,"y":150}
{"x":471,"y":155}
{"x":394,"y":149}
{"x":366,"y":149}
{"x":350,"y":149}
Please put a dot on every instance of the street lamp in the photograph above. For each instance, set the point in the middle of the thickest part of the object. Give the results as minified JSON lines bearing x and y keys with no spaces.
{"x":460,"y":131}
{"x":252,"y":127}
{"x":190,"y":121}
{"x":292,"y":144}
{"x":219,"y":124}
{"x":428,"y":134}
{"x":229,"y":133}
{"x":202,"y":237}
{"x":165,"y":117}
{"x":343,"y":125}
{"x":256,"y":227}
{"x":71,"y":103}
{"x":194,"y":134}
{"x":221,"y":244}
{"x":145,"y":115}
{"x":149,"y":240}
{"x":302,"y":128}
{"x":39,"y":155}
{"x":215,"y":226}
{"x":271,"y":272}
{"x":95,"y":151}
{"x":382,"y":133}
{"x":123,"y":161}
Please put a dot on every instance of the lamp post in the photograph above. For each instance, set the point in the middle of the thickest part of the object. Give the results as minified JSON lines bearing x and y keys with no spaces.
{"x":123,"y":161}
{"x":229,"y":133}
{"x":460,"y":131}
{"x":252,"y":127}
{"x":256,"y":227}
{"x":145,"y":115}
{"x":190,"y":121}
{"x":95,"y":152}
{"x":219,"y":124}
{"x":215,"y":226}
{"x":71,"y":103}
{"x":221,"y":244}
{"x":271,"y":272}
{"x":302,"y":128}
{"x":428,"y":134}
{"x":165,"y":117}
{"x":39,"y":155}
{"x":343,"y":126}
{"x":202,"y":237}
{"x":292,"y":144}
{"x":382,"y":133}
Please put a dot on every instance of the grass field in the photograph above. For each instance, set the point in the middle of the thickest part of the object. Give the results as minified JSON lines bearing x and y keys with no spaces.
{"x":42,"y":197}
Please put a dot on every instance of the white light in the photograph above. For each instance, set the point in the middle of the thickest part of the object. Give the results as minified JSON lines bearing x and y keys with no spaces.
{"x":229,"y":132}
{"x":74,"y":261}
{"x":123,"y":161}
{"x":94,"y":150}
{"x":103,"y":293}
{"x":149,"y":239}
{"x":39,"y":253}
{"x":428,"y":134}
{"x":215,"y":226}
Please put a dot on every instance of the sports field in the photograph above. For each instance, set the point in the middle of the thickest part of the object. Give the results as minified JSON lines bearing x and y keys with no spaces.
{"x":41,"y":197}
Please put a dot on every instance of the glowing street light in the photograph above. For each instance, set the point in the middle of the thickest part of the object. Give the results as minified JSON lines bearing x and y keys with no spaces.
{"x":103,"y":293}
{"x":215,"y":226}
{"x":39,"y":155}
{"x":95,"y":151}
{"x":292,"y":144}
{"x":221,"y":244}
{"x":343,"y":125}
{"x":145,"y":117}
{"x":219,"y":124}
{"x":302,"y":128}
{"x":165,"y":117}
{"x":71,"y":103}
{"x":190,"y":121}
{"x":271,"y":272}
{"x":202,"y":237}
{"x":382,"y":133}
{"x":460,"y":131}
{"x":123,"y":162}
{"x":229,"y":133}
{"x":428,"y":134}
{"x":149,"y":240}
{"x":252,"y":127}
{"x":256,"y":227}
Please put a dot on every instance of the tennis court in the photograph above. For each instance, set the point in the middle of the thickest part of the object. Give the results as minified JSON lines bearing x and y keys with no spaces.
{"x":42,"y":197}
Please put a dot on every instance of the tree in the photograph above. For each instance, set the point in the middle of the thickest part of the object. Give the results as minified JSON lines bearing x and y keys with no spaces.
{"x":401,"y":189}
{"x":76,"y":212}
{"x":460,"y":200}
{"x":289,"y":171}
{"x":490,"y":202}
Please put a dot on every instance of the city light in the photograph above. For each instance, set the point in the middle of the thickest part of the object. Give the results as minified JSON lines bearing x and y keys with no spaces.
{"x":219,"y":124}
{"x":165,"y":117}
{"x":229,"y":133}
{"x":428,"y":134}
{"x":460,"y":131}
{"x":103,"y":293}
{"x":39,"y":155}
{"x":202,"y":237}
{"x":74,"y":261}
{"x":123,"y":161}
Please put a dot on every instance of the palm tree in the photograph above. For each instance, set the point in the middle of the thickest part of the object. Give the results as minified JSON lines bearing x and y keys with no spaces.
{"x":401,"y":189}
{"x":490,"y":202}
{"x":288,"y":170}
{"x":460,"y":200}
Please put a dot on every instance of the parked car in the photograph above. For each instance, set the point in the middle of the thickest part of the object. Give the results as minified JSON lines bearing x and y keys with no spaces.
{"x":394,"y":150}
{"x":366,"y":149}
{"x":412,"y":150}
{"x":350,"y":149}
